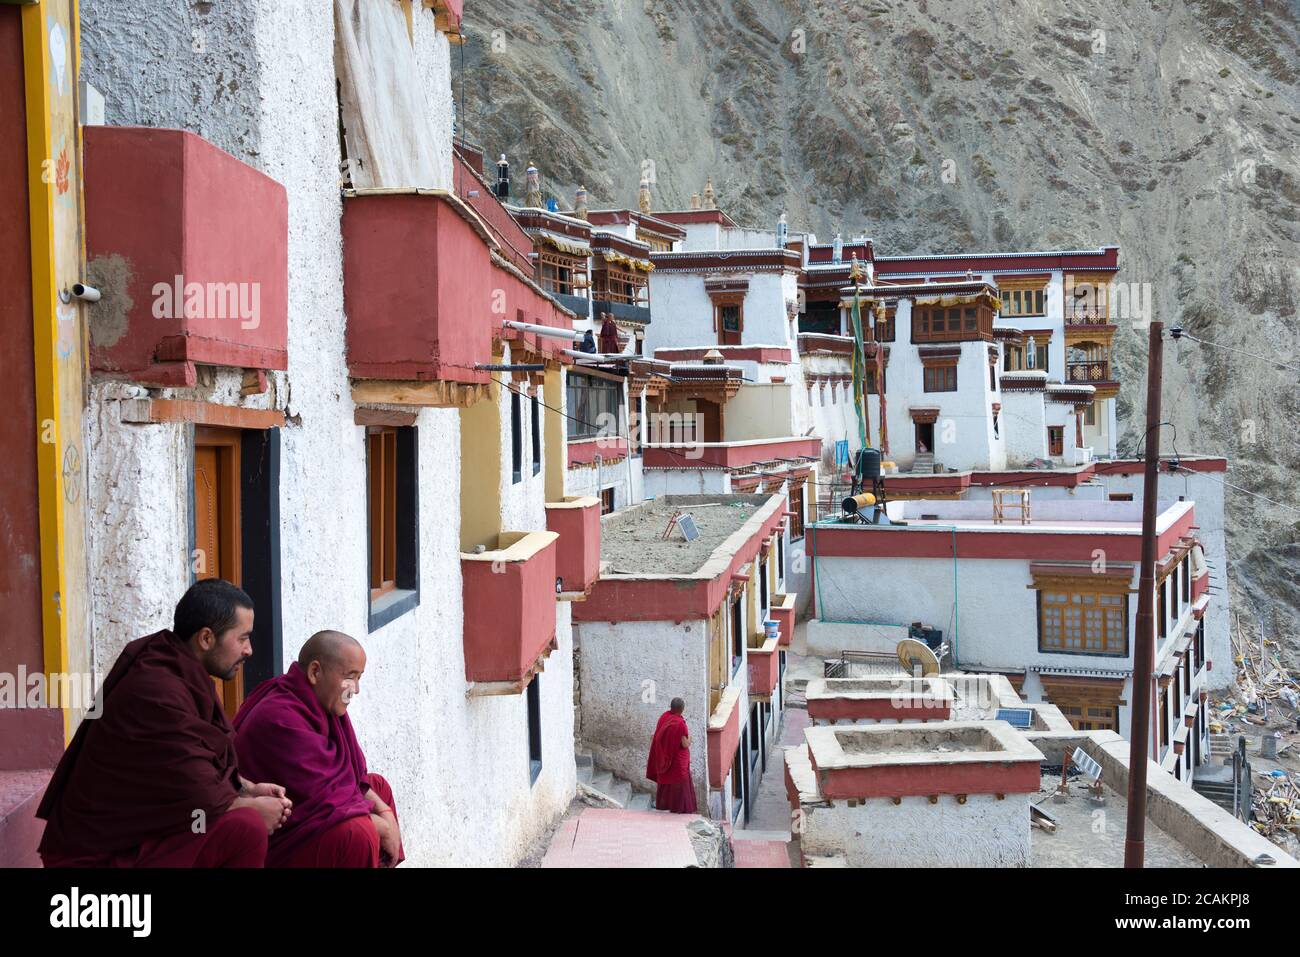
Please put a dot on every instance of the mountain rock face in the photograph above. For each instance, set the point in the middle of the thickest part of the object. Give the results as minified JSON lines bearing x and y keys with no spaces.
{"x":1168,"y":127}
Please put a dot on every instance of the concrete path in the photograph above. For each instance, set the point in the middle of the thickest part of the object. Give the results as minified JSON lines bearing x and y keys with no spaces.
{"x":609,"y":837}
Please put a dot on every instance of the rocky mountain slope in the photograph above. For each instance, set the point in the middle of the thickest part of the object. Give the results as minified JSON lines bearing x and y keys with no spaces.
{"x":1166,"y":126}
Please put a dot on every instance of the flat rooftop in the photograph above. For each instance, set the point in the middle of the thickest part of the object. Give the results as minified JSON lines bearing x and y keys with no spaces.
{"x":1090,"y":836}
{"x":1047,"y":515}
{"x":632,"y":541}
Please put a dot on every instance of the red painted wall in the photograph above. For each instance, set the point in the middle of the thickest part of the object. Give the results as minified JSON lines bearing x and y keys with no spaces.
{"x":28,"y":738}
{"x":763,"y":669}
{"x":584,"y":453}
{"x":989,"y":777}
{"x":722,"y":747}
{"x":578,"y":549}
{"x":170,"y":203}
{"x":877,"y":709}
{"x":509,"y":615}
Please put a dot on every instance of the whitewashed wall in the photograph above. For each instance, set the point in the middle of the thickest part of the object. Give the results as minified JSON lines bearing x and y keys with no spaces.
{"x":459,"y":766}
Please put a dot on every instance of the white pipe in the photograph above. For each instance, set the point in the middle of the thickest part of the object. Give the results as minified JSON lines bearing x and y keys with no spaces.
{"x":551,"y":331}
{"x":596,"y":356}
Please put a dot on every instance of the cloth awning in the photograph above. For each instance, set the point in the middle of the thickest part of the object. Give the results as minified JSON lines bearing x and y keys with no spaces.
{"x":570,"y":246}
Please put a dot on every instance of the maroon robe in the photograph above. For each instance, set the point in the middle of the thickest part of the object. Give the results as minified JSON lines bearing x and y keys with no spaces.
{"x":669,"y":766}
{"x":127,"y":790}
{"x":283,"y":734}
{"x":609,"y":344}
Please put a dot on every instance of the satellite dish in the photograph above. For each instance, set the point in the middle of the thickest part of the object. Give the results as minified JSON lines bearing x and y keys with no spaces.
{"x":913,"y":654}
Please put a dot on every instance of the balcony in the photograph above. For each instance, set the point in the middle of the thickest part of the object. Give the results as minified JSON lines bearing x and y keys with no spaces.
{"x":688,"y":455}
{"x":764,"y":667}
{"x":782,"y":612}
{"x":509,"y":601}
{"x":576,"y":520}
{"x":189,"y":249}
{"x":723,"y":737}
{"x":577,"y":304}
{"x":1088,"y":372}
{"x":416,"y":270}
{"x":1087,"y":320}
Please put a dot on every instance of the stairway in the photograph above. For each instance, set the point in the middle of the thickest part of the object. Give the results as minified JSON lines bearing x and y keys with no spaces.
{"x":611,"y":787}
{"x":1221,"y":746}
{"x":1214,"y":781}
{"x":923,"y":463}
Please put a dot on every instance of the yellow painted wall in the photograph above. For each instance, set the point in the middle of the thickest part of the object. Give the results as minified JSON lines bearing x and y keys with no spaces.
{"x":480,"y":471}
{"x":759,"y":411}
{"x":51,"y":57}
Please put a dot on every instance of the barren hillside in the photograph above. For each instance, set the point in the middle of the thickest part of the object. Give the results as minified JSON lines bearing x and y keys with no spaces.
{"x":1167,"y":126}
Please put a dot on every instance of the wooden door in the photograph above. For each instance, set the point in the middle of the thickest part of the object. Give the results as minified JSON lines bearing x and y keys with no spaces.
{"x":216,"y":526}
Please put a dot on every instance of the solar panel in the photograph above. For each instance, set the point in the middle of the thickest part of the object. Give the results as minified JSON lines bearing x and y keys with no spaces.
{"x":687,"y":524}
{"x":1016,"y":717}
{"x":1085,"y":764}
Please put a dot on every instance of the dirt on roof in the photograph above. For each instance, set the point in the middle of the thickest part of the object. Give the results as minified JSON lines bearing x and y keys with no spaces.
{"x":632,"y":540}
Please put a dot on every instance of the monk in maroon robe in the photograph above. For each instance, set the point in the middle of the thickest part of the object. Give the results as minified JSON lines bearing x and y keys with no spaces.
{"x":669,"y":765}
{"x":153,"y":781}
{"x":296,"y":729}
{"x":609,"y":344}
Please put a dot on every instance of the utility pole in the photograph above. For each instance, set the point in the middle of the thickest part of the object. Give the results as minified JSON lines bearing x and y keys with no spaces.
{"x":1144,"y":656}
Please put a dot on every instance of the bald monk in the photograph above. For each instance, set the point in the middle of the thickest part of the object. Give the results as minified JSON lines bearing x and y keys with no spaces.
{"x":153,"y":782}
{"x":296,"y":729}
{"x":669,"y":765}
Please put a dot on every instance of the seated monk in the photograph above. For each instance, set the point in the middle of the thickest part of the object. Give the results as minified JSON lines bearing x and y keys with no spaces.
{"x":153,"y":781}
{"x":669,"y":765}
{"x":296,"y":729}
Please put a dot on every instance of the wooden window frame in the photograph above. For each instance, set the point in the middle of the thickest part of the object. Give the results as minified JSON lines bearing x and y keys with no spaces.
{"x":939,"y":376}
{"x":577,"y":281}
{"x":225,"y":446}
{"x":587,"y":396}
{"x":1111,"y":645}
{"x":722,"y":302}
{"x":607,"y":500}
{"x":516,"y":437}
{"x":392,"y":518}
{"x":935,"y":323}
{"x":1015,"y":299}
{"x":1056,"y":441}
{"x":797,"y":512}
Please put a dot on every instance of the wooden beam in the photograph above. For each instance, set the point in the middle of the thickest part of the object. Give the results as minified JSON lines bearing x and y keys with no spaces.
{"x":147,"y":411}
{"x":393,"y":417}
{"x":436,"y":395}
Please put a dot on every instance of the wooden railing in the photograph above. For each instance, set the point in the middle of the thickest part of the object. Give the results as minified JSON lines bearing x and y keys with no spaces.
{"x":1098,"y":371}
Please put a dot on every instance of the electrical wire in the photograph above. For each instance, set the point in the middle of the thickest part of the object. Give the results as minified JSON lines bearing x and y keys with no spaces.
{"x":1253,"y":355}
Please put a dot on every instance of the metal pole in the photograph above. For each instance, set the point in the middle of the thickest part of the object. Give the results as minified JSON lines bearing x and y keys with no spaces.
{"x":1144,"y":656}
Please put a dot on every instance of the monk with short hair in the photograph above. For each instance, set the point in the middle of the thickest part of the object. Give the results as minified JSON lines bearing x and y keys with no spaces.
{"x":296,"y":729}
{"x":153,"y":782}
{"x":669,"y":765}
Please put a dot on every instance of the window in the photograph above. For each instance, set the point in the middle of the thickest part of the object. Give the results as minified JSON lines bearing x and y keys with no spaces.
{"x":737,"y":634}
{"x":1186,"y":564}
{"x":392,"y":522}
{"x":729,"y":317}
{"x":606,"y":500}
{"x":755,"y":735}
{"x":1056,"y":440}
{"x":534,"y":697}
{"x":951,"y":323}
{"x":1120,"y":496}
{"x":537,"y":434}
{"x":762,"y":586}
{"x":1079,"y":622}
{"x":940,"y":378}
{"x":1040,"y":356}
{"x":1084,"y":717}
{"x":1024,"y":302}
{"x":516,"y":437}
{"x":1162,"y":614}
{"x":1164,"y":717}
{"x":595,"y":406}
{"x":1090,"y":414}
{"x":796,"y":507}
{"x":871,"y":380}
{"x":780,"y":556}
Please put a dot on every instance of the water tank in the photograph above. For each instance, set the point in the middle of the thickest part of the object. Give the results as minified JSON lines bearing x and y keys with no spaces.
{"x":869,"y":464}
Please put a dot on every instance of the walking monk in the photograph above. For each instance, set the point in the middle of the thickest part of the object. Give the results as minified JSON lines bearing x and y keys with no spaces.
{"x":153,"y":781}
{"x":296,"y":729}
{"x":670,"y":762}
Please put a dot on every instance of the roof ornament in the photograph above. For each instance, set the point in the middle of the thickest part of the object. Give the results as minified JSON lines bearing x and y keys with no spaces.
{"x":503,"y":179}
{"x":643,"y":196}
{"x":855,"y":269}
{"x":1030,"y":353}
{"x":580,"y":203}
{"x":695,"y":200}
{"x":709,"y":195}
{"x":782,"y":231}
{"x":532,"y":187}
{"x":837,"y":248}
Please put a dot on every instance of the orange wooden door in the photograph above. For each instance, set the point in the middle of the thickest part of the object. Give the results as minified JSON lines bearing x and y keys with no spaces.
{"x":216,"y":526}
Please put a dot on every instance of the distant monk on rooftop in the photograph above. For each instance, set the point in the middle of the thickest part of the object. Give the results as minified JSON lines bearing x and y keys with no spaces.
{"x":153,"y":781}
{"x":296,"y":728}
{"x":609,"y":336}
{"x":670,"y":762}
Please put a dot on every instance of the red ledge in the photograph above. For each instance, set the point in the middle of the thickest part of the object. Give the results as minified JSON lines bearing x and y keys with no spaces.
{"x":729,"y":354}
{"x":727,"y":455}
{"x":764,"y":668}
{"x":977,"y":777}
{"x":585,"y":452}
{"x":876,"y":709}
{"x":867,"y":541}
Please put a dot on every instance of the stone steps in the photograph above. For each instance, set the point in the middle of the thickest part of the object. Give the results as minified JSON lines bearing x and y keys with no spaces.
{"x":610,"y":786}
